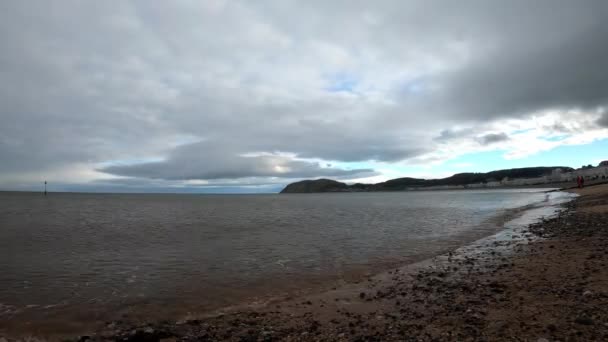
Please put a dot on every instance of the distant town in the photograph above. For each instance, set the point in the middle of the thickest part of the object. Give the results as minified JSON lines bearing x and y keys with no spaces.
{"x":558,"y":175}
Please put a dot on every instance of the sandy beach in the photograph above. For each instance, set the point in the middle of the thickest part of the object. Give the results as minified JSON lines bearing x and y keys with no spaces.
{"x":545,"y":283}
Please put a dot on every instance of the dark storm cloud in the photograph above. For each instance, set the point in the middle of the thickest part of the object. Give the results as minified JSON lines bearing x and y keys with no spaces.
{"x":603,"y":120}
{"x":492,"y":138}
{"x":533,"y":59}
{"x":201,"y":84}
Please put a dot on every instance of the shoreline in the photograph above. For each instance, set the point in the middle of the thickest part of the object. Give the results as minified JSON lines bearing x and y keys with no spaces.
{"x":448,"y":294}
{"x":60,"y":323}
{"x":541,"y":290}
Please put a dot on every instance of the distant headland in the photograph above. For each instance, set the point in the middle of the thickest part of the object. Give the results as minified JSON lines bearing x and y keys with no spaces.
{"x":527,"y":176}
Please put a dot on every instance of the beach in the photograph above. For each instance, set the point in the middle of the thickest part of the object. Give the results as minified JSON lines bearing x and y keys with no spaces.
{"x":552,"y":285}
{"x":548,"y":281}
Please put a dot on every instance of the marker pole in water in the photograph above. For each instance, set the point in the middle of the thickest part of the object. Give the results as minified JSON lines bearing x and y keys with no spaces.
{"x":44,"y":188}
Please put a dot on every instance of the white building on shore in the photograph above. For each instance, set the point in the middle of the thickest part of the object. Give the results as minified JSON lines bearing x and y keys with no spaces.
{"x":597,"y":173}
{"x":591,"y":174}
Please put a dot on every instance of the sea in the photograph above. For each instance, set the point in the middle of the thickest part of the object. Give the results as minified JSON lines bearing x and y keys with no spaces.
{"x":69,"y":258}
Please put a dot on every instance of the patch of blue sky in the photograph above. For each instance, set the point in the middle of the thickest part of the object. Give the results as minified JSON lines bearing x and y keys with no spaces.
{"x":556,"y":138}
{"x":575,"y":155}
{"x":479,"y":162}
{"x":522,"y":131}
{"x":341,"y":82}
{"x":567,"y":155}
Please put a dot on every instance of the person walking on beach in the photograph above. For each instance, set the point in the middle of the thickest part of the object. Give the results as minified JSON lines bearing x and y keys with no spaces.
{"x":582,"y":182}
{"x":578,"y":181}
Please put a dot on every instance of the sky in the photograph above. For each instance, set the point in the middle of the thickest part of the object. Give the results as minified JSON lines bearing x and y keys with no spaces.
{"x":247,"y":96}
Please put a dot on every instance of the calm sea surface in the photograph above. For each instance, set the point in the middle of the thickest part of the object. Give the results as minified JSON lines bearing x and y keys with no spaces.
{"x":107,"y":252}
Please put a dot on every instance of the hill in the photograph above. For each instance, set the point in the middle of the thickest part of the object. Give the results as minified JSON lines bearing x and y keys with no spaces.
{"x":398,"y":184}
{"x":319,"y":185}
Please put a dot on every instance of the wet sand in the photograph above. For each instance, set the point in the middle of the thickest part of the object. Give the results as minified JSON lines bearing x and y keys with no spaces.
{"x":546,"y":282}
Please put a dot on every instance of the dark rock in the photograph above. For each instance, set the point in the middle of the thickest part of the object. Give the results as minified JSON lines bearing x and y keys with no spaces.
{"x":584,"y":320}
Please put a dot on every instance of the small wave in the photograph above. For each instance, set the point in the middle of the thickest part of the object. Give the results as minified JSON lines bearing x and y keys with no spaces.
{"x":282,"y":262}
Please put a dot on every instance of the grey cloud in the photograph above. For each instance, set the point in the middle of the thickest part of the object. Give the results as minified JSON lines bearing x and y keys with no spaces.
{"x":450,"y":135}
{"x":447,"y":135}
{"x":603,"y":120}
{"x":492,"y":138}
{"x":114,"y":81}
{"x":203,"y":161}
{"x":238,"y":167}
{"x":559,"y":128}
{"x":534,"y":61}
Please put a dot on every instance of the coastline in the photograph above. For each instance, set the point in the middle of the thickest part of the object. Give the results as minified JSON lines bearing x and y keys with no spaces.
{"x":490,"y":293}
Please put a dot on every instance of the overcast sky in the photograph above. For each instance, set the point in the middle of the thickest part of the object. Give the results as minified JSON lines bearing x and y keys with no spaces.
{"x":247,"y":96}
